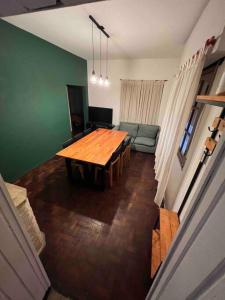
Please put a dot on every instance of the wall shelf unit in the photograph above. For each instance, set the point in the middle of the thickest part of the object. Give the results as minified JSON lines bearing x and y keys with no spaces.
{"x":212,"y":100}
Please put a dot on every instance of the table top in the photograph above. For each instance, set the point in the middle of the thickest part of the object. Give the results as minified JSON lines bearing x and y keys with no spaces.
{"x":96,"y":147}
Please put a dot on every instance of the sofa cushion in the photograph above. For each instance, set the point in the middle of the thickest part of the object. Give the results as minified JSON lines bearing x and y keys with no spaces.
{"x":132,"y":128}
{"x":145,"y":141}
{"x":143,"y":148}
{"x":149,"y":131}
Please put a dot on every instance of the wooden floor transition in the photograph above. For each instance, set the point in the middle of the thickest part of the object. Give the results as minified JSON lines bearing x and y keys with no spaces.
{"x":98,"y":242}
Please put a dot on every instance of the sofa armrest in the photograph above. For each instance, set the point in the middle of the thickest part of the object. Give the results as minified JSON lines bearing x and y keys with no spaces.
{"x":157,"y":137}
{"x":117,"y":127}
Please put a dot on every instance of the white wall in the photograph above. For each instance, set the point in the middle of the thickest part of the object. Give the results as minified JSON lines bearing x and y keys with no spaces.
{"x":211,"y":22}
{"x":142,"y":69}
{"x":110,"y":96}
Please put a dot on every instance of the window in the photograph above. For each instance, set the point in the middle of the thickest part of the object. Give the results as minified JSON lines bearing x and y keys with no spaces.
{"x":189,"y":132}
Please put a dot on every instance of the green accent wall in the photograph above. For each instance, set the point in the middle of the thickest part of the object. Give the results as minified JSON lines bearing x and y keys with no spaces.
{"x":34,"y":116}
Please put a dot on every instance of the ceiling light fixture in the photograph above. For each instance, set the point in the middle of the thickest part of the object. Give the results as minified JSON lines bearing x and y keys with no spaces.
{"x":93,"y":76}
{"x":100,"y":78}
{"x":106,"y":82}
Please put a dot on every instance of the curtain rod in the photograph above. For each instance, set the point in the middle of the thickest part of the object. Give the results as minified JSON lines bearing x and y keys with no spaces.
{"x":209,"y":42}
{"x":100,"y":27}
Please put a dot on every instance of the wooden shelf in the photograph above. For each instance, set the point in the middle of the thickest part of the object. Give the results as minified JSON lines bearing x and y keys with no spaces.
{"x":212,"y":100}
{"x":163,"y":237}
{"x":156,"y":257}
{"x":169,"y":224}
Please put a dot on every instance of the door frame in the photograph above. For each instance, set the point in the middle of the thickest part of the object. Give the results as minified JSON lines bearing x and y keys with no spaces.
{"x":68,"y":103}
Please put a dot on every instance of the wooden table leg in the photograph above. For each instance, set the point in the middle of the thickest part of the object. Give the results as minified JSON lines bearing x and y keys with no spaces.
{"x":103,"y":179}
{"x":69,"y":168}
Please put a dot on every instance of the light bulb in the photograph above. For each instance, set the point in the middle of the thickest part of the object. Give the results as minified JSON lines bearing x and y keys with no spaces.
{"x":93,"y":77}
{"x":101,"y":80}
{"x":106,"y":82}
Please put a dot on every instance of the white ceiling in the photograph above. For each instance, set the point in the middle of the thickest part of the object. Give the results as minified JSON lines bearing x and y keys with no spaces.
{"x":17,"y":7}
{"x":138,"y":28}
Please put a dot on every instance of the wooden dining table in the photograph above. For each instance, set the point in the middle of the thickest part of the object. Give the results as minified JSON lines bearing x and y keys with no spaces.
{"x":95,"y":148}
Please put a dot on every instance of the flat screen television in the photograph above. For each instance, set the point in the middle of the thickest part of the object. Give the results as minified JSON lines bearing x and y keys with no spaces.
{"x":100,"y":114}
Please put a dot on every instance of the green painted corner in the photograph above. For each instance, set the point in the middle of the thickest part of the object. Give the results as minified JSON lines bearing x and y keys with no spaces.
{"x":34,"y":117}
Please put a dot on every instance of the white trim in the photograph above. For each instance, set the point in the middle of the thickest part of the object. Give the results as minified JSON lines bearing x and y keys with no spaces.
{"x":211,"y":280}
{"x":68,"y":105}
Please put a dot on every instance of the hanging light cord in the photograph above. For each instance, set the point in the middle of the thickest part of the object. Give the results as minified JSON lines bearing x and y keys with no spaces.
{"x":107,"y":51}
{"x":93,"y":49}
{"x":100,"y":53}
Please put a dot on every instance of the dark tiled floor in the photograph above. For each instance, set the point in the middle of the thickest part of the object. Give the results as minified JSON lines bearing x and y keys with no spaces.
{"x":98,"y":242}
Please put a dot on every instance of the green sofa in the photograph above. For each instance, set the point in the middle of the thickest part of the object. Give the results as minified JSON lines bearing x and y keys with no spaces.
{"x":143,"y":137}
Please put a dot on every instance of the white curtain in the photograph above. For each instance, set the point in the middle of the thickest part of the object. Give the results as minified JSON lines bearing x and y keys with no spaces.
{"x":176,"y":115}
{"x":140,"y":101}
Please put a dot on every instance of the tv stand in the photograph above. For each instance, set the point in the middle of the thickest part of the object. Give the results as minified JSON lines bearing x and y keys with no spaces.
{"x":95,"y":125}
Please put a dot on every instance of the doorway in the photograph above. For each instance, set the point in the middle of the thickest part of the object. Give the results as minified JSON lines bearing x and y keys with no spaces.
{"x":76,"y":107}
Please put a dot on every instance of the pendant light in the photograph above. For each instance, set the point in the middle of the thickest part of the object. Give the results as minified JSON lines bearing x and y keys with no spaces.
{"x":93,"y":78}
{"x":100,"y":78}
{"x":106,"y":82}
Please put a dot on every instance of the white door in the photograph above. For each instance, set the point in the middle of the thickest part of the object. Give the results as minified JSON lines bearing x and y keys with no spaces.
{"x":22,"y":276}
{"x":195,"y":265}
